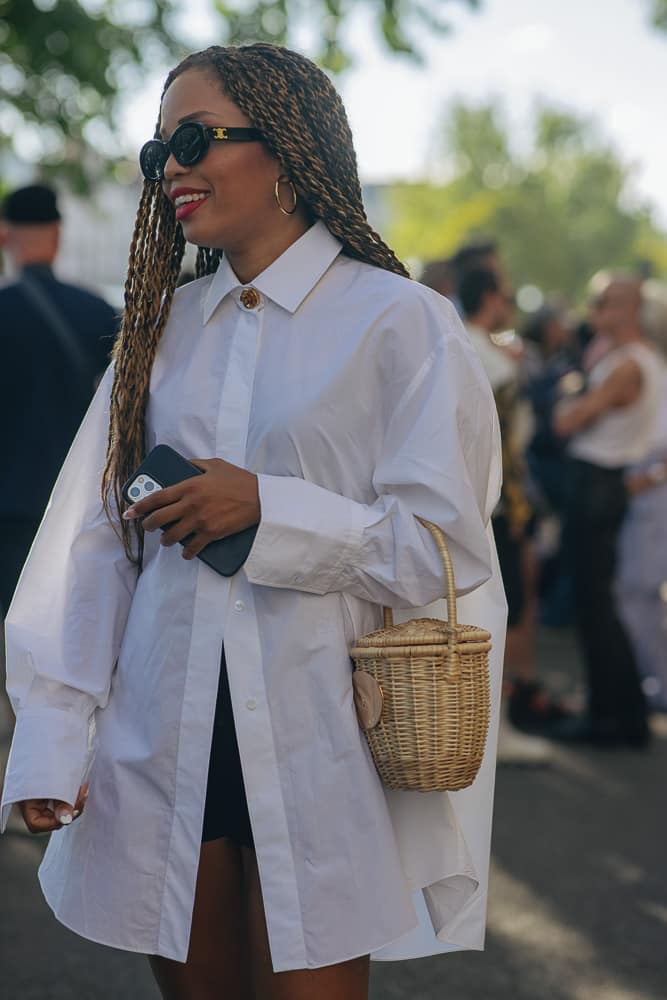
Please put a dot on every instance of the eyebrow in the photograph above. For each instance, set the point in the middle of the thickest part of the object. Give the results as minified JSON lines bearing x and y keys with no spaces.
{"x":193,"y":116}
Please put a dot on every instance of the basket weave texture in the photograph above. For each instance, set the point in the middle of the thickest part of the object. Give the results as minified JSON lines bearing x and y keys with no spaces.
{"x":429,"y":684}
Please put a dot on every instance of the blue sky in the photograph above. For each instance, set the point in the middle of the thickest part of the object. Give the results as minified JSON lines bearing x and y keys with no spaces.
{"x":596,"y":57}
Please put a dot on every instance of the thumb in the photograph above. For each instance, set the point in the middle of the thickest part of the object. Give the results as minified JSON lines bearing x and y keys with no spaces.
{"x":63,"y":812}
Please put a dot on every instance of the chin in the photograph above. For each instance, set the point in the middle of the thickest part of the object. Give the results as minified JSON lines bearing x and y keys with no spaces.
{"x":198,"y":236}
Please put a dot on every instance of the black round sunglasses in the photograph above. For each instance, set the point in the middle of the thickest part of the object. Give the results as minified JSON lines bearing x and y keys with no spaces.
{"x":188,"y":145}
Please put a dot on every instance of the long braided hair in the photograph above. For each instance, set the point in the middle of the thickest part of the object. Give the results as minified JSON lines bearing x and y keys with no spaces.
{"x":304,"y":125}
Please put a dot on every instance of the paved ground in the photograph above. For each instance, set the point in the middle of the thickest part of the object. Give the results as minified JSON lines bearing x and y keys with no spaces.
{"x":578,"y":907}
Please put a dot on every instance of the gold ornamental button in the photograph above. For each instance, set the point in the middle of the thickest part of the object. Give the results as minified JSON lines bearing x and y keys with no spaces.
{"x":250,"y":298}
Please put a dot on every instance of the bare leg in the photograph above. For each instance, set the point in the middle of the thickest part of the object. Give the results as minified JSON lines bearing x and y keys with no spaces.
{"x":345,"y":981}
{"x":216,"y":968}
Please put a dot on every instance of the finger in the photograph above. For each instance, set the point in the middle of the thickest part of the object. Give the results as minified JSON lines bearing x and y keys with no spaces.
{"x":179,"y":532}
{"x":80,"y":803}
{"x":195,"y":545}
{"x":38,"y":816}
{"x":165,"y":515}
{"x":63,"y":812}
{"x":170,"y":494}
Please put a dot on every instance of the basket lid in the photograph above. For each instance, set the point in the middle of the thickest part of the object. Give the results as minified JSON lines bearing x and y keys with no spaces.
{"x":422,"y":632}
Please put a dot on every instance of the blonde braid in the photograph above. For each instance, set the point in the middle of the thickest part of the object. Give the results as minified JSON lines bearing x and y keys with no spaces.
{"x":149,"y":290}
{"x":207,"y":261}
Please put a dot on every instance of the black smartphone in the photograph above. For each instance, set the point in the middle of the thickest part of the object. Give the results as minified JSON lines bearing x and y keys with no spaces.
{"x":165,"y":467}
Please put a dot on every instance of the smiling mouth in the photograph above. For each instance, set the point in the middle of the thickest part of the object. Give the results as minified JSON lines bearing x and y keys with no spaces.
{"x":186,"y":204}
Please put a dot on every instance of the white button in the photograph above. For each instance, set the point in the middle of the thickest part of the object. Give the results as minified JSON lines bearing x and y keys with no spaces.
{"x":239,"y":605}
{"x":251,"y":704}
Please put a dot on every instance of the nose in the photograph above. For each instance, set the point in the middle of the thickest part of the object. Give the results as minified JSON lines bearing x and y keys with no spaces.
{"x":173,"y":168}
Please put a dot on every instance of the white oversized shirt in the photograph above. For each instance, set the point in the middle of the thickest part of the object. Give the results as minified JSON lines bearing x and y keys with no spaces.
{"x":356,"y":397}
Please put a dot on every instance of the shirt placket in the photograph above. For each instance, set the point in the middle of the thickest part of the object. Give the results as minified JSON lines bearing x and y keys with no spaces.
{"x":210,"y":624}
{"x":244,"y":663}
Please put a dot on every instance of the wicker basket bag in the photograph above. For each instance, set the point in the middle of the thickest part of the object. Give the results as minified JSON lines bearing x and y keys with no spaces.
{"x":421,"y":690}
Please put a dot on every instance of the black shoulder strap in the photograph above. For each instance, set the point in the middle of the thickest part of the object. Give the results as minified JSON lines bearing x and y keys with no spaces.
{"x":55,"y":320}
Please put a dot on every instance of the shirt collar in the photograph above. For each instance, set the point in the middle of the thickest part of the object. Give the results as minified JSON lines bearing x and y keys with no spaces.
{"x":288,"y":280}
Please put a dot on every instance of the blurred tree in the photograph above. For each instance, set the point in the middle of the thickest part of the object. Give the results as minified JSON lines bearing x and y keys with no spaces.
{"x":561,"y":207}
{"x":64,"y":62}
{"x":660,"y":14}
{"x":399,"y":23}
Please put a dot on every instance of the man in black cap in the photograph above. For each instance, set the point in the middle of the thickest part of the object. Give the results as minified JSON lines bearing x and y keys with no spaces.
{"x":55,"y":341}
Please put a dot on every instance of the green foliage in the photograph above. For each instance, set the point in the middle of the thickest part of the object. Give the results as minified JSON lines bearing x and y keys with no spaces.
{"x":559,"y":209}
{"x":400,"y":23}
{"x":63,"y":63}
{"x":660,"y":14}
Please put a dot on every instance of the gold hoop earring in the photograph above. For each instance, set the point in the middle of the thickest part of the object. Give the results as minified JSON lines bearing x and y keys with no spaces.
{"x":285,"y":179}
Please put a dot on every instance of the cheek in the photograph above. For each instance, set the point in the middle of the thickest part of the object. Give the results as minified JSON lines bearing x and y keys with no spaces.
{"x":253,"y":174}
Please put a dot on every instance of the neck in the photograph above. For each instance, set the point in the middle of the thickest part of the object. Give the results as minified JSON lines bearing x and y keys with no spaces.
{"x":251,"y":259}
{"x":34,"y":262}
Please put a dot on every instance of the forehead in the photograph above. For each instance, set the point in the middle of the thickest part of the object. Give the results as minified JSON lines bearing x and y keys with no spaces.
{"x":619,"y":293}
{"x":196,"y":94}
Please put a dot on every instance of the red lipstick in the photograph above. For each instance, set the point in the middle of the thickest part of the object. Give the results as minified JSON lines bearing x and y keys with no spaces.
{"x":188,"y":199}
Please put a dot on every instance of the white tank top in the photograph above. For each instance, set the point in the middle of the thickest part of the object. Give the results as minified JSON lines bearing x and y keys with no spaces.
{"x":624,"y":435}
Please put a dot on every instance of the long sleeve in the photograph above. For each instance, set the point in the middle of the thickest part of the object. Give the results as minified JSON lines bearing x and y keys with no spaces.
{"x":65,"y":625}
{"x":440,"y":459}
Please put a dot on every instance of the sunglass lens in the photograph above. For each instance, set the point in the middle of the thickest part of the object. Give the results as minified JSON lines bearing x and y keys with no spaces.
{"x":189,"y":143}
{"x":152,"y":159}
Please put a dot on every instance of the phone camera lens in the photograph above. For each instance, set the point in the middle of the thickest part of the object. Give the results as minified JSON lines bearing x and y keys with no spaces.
{"x":135,"y":491}
{"x":149,"y":486}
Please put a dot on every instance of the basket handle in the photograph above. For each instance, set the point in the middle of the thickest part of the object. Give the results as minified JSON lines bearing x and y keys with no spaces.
{"x":450,"y":595}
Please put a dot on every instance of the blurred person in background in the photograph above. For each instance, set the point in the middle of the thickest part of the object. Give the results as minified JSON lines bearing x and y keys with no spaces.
{"x":476,"y":255}
{"x":641,"y":580}
{"x":445,"y":275}
{"x":55,"y":341}
{"x":488,"y":305}
{"x":472,"y":256}
{"x":552,"y":372}
{"x":609,"y":427}
{"x":439,"y":275}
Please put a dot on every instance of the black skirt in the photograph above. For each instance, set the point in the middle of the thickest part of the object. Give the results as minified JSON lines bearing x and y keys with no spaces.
{"x":226,"y":809}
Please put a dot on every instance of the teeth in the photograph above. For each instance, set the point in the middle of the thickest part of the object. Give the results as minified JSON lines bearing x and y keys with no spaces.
{"x":183,"y":199}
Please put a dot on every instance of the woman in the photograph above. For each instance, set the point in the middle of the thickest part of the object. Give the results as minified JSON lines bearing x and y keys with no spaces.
{"x":327,"y":399}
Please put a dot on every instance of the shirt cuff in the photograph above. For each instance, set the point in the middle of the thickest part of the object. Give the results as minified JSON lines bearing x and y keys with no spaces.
{"x":47,"y":759}
{"x":305,"y":535}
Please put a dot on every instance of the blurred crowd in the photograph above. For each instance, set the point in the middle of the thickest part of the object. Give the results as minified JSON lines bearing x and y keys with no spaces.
{"x":582,"y":403}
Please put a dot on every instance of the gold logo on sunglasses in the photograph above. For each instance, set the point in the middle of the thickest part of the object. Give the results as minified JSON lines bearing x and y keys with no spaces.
{"x":220,"y":133}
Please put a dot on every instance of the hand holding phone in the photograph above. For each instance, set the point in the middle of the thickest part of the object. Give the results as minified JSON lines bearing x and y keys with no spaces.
{"x":211,"y":507}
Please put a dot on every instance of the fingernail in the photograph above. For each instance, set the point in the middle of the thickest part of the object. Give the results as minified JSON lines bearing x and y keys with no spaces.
{"x":65,"y":819}
{"x":129,"y":514}
{"x":77,"y":812}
